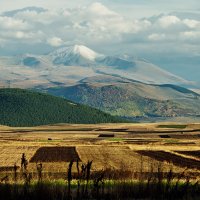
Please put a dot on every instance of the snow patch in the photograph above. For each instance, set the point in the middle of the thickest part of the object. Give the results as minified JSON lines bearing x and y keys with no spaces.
{"x":76,"y":50}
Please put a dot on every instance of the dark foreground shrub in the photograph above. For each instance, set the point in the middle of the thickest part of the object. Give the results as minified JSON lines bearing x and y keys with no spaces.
{"x":107,"y":190}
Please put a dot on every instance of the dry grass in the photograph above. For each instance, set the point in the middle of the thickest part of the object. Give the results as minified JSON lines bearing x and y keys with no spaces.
{"x":116,"y":153}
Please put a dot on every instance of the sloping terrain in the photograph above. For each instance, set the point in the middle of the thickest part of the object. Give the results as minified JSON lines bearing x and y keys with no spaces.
{"x":68,"y":65}
{"x":119,"y":85}
{"x":122,"y":97}
{"x":25,"y":108}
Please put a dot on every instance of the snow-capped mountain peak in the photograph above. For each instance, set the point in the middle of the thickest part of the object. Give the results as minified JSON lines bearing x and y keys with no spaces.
{"x":85,"y":52}
{"x":77,"y":54}
{"x":70,"y":64}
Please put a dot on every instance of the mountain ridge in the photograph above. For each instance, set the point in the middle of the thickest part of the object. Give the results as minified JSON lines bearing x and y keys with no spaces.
{"x":62,"y":65}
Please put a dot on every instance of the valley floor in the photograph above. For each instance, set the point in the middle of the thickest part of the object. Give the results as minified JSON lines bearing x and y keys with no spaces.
{"x":124,"y":151}
{"x":108,"y":145}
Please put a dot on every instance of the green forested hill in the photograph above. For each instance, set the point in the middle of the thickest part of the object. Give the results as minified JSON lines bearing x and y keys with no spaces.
{"x":26,"y":108}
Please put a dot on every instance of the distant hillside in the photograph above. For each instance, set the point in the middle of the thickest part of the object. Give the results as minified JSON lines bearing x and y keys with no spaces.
{"x":133,"y":99}
{"x":26,"y":108}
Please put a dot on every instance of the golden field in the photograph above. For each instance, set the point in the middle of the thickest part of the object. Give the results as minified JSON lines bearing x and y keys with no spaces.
{"x":109,"y":146}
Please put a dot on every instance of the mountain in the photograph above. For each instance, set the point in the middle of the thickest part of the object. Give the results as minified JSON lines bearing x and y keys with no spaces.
{"x":127,"y":98}
{"x":139,"y":69}
{"x":77,"y":55}
{"x":196,"y":90}
{"x":27,"y":108}
{"x":60,"y":67}
{"x":119,"y":85}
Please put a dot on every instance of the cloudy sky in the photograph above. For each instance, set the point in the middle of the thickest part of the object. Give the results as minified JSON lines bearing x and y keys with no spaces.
{"x":165,"y":32}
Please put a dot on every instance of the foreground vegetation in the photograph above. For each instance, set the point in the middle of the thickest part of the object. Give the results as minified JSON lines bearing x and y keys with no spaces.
{"x":113,"y":190}
{"x":26,"y":108}
{"x":105,"y":184}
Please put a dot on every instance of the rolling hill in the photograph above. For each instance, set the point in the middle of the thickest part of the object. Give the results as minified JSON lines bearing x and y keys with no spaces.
{"x":27,"y":108}
{"x":126,"y":98}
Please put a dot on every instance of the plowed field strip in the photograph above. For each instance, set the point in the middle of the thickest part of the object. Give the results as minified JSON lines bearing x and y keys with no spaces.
{"x":170,"y":157}
{"x":190,"y":153}
{"x":55,"y":154}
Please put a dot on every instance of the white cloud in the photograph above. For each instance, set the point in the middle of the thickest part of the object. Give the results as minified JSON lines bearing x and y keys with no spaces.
{"x":10,"y":23}
{"x":24,"y":36}
{"x":98,"y":8}
{"x":190,"y":35}
{"x":156,"y":37}
{"x":167,"y":21}
{"x":116,"y":27}
{"x":95,"y":25}
{"x":21,"y":35}
{"x":191,"y":23}
{"x":55,"y":41}
{"x":32,"y":16}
